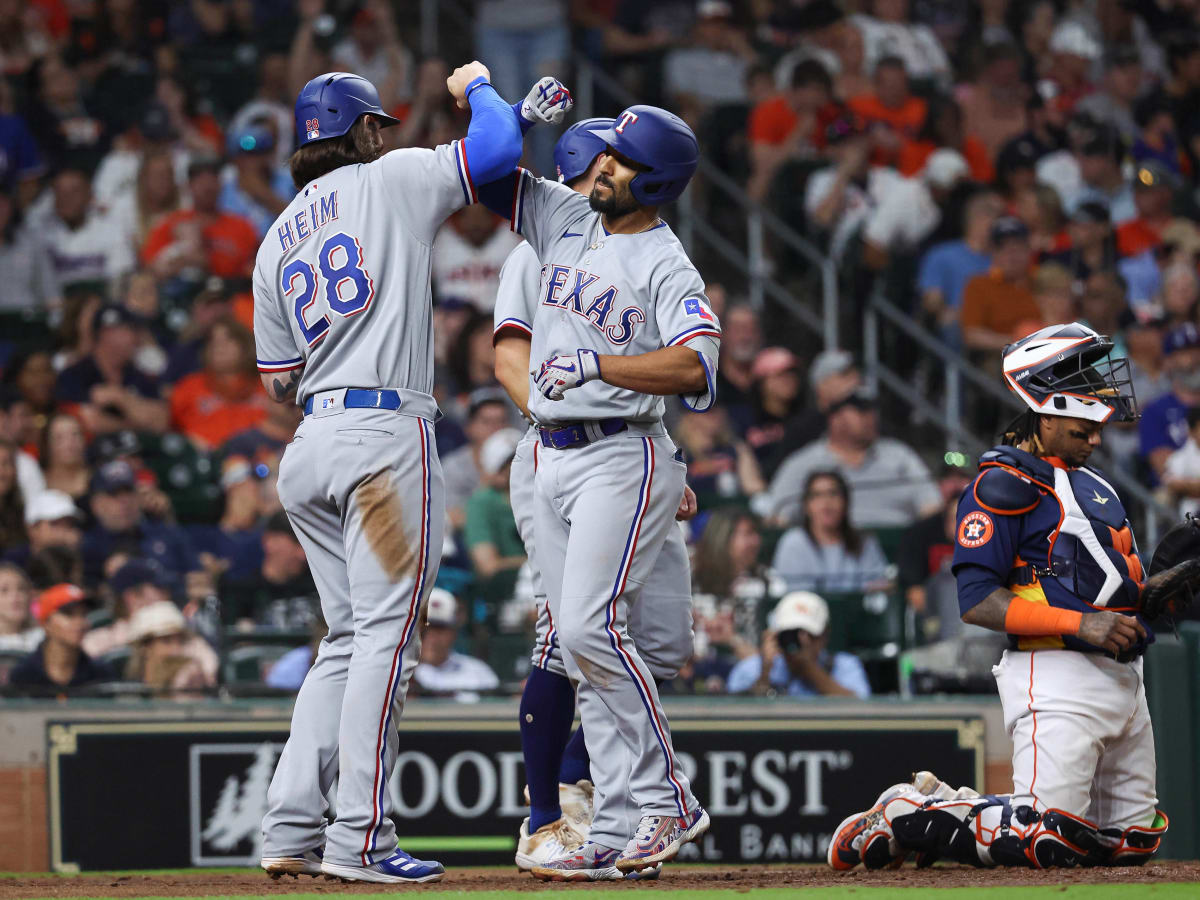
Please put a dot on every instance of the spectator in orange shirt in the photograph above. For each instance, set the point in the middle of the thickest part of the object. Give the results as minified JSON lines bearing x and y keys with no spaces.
{"x":224,"y":398}
{"x":943,"y":127}
{"x":995,"y":303}
{"x":1153,"y":186}
{"x":892,"y":110}
{"x":202,"y":240}
{"x":791,"y":125}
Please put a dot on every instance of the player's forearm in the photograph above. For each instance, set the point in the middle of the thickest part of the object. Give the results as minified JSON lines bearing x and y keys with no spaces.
{"x":990,"y":612}
{"x":281,"y":386}
{"x":512,"y":369}
{"x":671,"y":370}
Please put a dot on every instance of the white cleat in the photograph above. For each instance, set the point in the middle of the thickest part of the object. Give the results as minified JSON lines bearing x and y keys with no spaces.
{"x":575,"y":801}
{"x":307,"y":863}
{"x":547,"y":843}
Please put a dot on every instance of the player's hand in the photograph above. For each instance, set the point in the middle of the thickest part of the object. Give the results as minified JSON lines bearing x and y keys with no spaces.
{"x":457,"y":83}
{"x":560,"y":373}
{"x":1110,"y":631}
{"x":547,"y":102}
{"x":688,"y":507}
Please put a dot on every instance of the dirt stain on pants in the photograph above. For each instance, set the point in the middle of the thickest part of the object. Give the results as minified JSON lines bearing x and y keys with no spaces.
{"x":383,"y":525}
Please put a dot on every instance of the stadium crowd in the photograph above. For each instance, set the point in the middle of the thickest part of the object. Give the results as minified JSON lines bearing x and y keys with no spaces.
{"x":991,"y":167}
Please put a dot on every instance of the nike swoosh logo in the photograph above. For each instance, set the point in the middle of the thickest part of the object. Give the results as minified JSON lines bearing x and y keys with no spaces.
{"x":568,"y":234}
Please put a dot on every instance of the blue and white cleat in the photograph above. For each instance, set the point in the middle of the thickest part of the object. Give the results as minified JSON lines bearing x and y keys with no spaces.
{"x":399,"y":868}
{"x":307,"y":863}
{"x":587,"y":862}
{"x":659,"y":838}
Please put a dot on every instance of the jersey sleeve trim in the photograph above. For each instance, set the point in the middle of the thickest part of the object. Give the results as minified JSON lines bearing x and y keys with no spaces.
{"x":280,"y":365}
{"x":514,"y":323}
{"x":694,"y":332}
{"x":464,"y":173}
{"x":710,"y":394}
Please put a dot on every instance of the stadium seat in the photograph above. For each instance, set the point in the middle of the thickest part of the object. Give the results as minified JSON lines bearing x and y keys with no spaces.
{"x":189,"y":477}
{"x":508,"y":655}
{"x":118,"y":659}
{"x":249,"y":664}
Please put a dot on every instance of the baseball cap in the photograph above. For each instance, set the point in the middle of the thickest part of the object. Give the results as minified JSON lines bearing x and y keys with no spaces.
{"x":803,"y":610}
{"x":1008,"y":228}
{"x":862,"y":397}
{"x":156,"y":620}
{"x":1152,"y":174}
{"x":1072,"y":38}
{"x":829,"y":363}
{"x":155,"y":124}
{"x":50,"y":505}
{"x":774,"y":361}
{"x":945,"y":168}
{"x":441,"y":608}
{"x":1103,"y":140}
{"x":1181,"y":337}
{"x":113,"y":314}
{"x":1091,"y":212}
{"x":1017,"y":154}
{"x":51,"y":600}
{"x":113,"y":477}
{"x":713,"y":9}
{"x":135,"y":573}
{"x":498,"y":449}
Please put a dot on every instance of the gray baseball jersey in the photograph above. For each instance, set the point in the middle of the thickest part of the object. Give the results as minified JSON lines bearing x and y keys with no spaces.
{"x":341,"y":283}
{"x":618,"y":294}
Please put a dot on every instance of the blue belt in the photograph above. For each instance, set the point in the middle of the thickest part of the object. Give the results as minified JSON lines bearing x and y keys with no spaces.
{"x":361,"y":398}
{"x":576,"y":435}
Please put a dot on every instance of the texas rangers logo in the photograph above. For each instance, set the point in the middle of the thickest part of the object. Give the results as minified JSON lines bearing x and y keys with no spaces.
{"x":694,"y":306}
{"x":627,"y":119}
{"x":599,"y":309}
{"x":975,"y":529}
{"x":313,"y":127}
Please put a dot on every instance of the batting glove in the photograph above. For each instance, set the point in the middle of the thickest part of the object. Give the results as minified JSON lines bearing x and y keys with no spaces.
{"x":548,"y":101}
{"x":560,"y":373}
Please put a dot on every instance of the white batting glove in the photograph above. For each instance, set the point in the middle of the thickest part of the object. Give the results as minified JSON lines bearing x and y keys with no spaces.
{"x":559,"y":374}
{"x":547,"y":102}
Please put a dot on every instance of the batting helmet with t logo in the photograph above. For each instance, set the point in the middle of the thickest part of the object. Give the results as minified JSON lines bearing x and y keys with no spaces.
{"x":329,"y":105}
{"x":578,"y":147}
{"x":660,"y":142}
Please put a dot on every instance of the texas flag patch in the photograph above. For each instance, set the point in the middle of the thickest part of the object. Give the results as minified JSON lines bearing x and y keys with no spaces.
{"x":693,"y":306}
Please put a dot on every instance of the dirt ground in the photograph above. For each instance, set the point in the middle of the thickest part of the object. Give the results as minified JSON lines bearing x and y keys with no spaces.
{"x":740,"y":878}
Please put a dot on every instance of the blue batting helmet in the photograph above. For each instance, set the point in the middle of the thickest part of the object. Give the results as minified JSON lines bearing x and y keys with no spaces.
{"x":660,"y":141}
{"x":578,"y":147}
{"x":330,"y":104}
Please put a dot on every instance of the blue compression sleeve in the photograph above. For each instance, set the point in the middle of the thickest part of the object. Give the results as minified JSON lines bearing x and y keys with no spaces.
{"x":493,"y":142}
{"x":576,"y":764}
{"x":547,"y":711}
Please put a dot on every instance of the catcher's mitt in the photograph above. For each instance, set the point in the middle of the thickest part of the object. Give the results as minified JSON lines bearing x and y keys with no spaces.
{"x":1174,"y":572}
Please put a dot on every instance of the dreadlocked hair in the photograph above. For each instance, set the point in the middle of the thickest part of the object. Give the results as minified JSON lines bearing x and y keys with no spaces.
{"x":1022,"y":429}
{"x":320,"y":157}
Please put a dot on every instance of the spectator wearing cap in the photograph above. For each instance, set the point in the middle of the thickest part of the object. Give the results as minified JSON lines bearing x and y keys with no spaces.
{"x":887,"y":31}
{"x":59,"y":664}
{"x":87,"y":246}
{"x":794,"y":660}
{"x":778,"y":399}
{"x":1091,"y":246}
{"x":1158,"y":140}
{"x":122,"y":527}
{"x":1153,"y":188}
{"x":1113,"y":104}
{"x":709,"y":69}
{"x":1163,"y":426}
{"x":162,"y":658}
{"x":1074,"y":52}
{"x":912,"y":210}
{"x":489,"y":411}
{"x":490,"y":530}
{"x":946,"y":268}
{"x":1054,"y":292}
{"x":890,"y":113}
{"x":442,"y":670}
{"x":995,"y":302}
{"x":252,"y":186}
{"x":18,"y":631}
{"x":226,"y":396}
{"x":468,"y":253}
{"x":105,"y":387}
{"x":824,"y":552}
{"x":889,"y":484}
{"x":790,"y":125}
{"x":1015,"y":167}
{"x":28,"y":280}
{"x":51,"y":520}
{"x":202,"y":240}
{"x":741,"y":341}
{"x":281,"y":593}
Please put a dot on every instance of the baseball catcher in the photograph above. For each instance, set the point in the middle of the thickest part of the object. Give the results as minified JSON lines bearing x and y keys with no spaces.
{"x":1045,"y":552}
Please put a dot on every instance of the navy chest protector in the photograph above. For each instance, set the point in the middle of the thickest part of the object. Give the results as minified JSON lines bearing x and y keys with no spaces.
{"x":1090,"y":553}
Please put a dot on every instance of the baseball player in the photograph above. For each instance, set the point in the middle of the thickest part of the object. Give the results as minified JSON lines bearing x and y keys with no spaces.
{"x":342,"y":326}
{"x":1045,"y":553}
{"x":621,"y":321}
{"x":660,"y":621}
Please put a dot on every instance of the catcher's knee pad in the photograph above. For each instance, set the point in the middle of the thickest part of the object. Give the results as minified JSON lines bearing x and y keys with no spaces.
{"x":1136,"y":844}
{"x":1063,"y":840}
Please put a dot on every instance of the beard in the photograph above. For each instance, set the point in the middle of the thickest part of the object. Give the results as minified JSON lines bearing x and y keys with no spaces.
{"x":616,"y":203}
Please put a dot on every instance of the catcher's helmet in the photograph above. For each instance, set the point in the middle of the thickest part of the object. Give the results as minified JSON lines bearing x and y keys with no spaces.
{"x":1065,"y":370}
{"x":660,"y":141}
{"x":330,"y":104}
{"x":578,"y":148}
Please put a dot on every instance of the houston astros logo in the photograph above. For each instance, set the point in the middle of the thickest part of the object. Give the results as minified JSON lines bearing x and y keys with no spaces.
{"x":975,"y":529}
{"x":627,"y":119}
